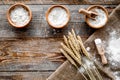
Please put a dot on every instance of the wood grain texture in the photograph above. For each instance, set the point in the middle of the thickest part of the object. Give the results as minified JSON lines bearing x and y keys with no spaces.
{"x":104,"y":33}
{"x":39,"y":27}
{"x":24,"y":75}
{"x":61,"y":1}
{"x":30,"y":54}
{"x":33,"y":53}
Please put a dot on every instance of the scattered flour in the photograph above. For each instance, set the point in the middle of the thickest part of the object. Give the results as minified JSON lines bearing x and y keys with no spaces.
{"x":116,"y":74}
{"x":117,"y":78}
{"x":58,"y":16}
{"x":100,"y":20}
{"x":88,"y":48}
{"x":113,"y":49}
{"x":81,"y":70}
{"x":87,"y":64}
{"x":19,"y":16}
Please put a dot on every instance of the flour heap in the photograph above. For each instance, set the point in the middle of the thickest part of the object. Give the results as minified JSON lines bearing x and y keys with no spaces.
{"x":58,"y":16}
{"x":100,"y":19}
{"x":19,"y":16}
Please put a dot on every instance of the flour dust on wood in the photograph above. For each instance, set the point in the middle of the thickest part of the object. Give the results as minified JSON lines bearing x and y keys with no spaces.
{"x":113,"y":51}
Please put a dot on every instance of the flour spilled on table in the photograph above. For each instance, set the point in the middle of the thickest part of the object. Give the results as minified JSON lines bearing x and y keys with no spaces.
{"x":113,"y":50}
{"x":117,"y":76}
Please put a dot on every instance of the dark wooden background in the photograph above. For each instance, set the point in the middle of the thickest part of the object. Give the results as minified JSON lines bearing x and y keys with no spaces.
{"x":32,"y":53}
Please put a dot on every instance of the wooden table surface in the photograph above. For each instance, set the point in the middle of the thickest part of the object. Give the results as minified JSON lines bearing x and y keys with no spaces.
{"x":32,"y":53}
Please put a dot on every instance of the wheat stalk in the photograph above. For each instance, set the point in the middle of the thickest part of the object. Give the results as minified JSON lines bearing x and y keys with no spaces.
{"x":72,"y":49}
{"x":69,"y":51}
{"x":69,"y":58}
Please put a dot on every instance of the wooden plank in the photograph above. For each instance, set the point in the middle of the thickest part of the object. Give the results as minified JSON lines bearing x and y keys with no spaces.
{"x":29,"y":49}
{"x":40,"y":28}
{"x":30,"y":54}
{"x":62,"y":73}
{"x":36,"y":48}
{"x":81,"y":28}
{"x":24,"y":75}
{"x":61,"y":1}
{"x":33,"y":45}
{"x":27,"y":64}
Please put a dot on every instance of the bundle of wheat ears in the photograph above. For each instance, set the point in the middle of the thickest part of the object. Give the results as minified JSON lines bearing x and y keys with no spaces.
{"x":74,"y":50}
